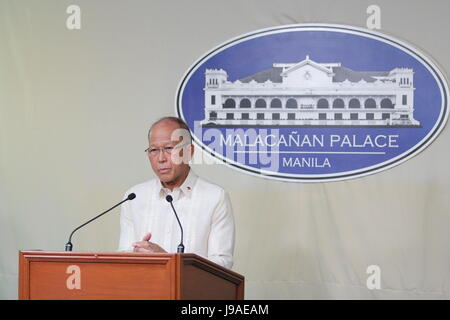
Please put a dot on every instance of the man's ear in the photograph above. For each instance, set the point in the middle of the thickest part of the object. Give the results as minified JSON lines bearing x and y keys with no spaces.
{"x":184,"y":155}
{"x":188,"y":152}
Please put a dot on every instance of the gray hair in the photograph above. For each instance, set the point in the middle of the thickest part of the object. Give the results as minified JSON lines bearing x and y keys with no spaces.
{"x":176,"y":120}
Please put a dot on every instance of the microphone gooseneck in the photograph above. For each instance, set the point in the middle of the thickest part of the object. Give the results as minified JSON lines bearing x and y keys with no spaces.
{"x":69,"y":245}
{"x":180,"y":248}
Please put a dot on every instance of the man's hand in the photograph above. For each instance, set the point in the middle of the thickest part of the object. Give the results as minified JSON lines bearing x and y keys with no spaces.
{"x":145,"y":246}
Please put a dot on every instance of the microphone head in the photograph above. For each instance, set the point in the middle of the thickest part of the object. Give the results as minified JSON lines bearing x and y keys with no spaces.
{"x":131,"y":196}
{"x":169,"y":198}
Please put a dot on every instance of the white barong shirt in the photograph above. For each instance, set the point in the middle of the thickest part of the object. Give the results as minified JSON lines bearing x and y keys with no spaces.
{"x":204,"y":210}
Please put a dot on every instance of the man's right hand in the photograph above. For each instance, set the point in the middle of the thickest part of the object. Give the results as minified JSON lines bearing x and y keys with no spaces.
{"x":145,"y":246}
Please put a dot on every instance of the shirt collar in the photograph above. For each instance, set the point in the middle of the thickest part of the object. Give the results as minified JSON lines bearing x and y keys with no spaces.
{"x":186,"y":187}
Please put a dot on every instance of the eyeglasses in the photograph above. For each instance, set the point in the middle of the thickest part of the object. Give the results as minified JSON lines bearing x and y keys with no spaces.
{"x":153,"y":152}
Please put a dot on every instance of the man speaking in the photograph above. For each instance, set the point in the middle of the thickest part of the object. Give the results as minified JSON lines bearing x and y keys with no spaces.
{"x":149,"y":225}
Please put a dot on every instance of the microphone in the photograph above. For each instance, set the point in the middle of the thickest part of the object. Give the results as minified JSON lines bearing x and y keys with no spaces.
{"x":180,"y":248}
{"x":69,"y":246}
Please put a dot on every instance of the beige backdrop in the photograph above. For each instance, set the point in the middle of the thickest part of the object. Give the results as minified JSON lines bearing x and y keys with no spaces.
{"x":75,"y":107}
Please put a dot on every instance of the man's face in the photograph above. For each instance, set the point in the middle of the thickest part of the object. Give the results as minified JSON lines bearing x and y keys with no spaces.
{"x":170,"y":165}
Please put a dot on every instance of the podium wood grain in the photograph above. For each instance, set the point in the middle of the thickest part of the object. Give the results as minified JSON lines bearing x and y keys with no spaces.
{"x":45,"y":275}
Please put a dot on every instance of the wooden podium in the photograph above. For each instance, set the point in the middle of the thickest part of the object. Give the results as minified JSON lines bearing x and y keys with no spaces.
{"x":82,"y":275}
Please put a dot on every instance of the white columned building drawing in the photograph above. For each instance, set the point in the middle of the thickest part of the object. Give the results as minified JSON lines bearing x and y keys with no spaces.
{"x":308,"y":93}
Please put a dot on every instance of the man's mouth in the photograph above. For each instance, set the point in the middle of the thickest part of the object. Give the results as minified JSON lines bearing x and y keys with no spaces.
{"x":164,"y":170}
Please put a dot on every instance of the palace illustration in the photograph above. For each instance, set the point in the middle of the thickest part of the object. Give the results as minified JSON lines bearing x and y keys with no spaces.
{"x":309,"y":93}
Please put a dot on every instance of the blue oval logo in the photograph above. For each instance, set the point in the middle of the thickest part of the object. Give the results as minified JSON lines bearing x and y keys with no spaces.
{"x":313,"y":102}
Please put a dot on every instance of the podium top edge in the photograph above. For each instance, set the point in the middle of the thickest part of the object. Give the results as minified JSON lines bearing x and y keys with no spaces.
{"x":98,"y":254}
{"x":45,"y":255}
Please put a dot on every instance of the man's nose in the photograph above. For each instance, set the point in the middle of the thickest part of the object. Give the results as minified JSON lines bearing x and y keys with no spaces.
{"x":162,"y":157}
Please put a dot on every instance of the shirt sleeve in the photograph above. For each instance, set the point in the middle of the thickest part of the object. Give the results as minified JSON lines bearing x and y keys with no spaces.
{"x":221,"y":238}
{"x":126,"y":227}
